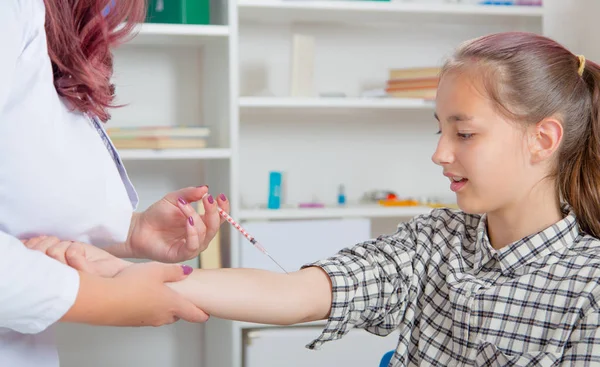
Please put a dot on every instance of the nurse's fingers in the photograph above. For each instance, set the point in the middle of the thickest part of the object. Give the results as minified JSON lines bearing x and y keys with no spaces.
{"x":30,"y":242}
{"x":59,"y":251}
{"x":42,"y":244}
{"x":189,"y":312}
{"x":223,"y":204}
{"x":76,"y":259}
{"x":195,"y":229}
{"x":211,"y":217}
{"x":189,"y":194}
{"x":190,"y":246}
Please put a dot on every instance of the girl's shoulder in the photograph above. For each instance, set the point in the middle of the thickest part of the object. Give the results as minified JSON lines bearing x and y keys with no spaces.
{"x":449,"y":219}
{"x":588,"y":246}
{"x":443,"y":227}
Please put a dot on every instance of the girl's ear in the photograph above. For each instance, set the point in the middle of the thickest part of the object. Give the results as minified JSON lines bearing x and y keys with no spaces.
{"x":544,"y":139}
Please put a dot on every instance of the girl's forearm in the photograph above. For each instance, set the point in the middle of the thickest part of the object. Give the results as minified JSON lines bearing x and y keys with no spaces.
{"x":259,"y":296}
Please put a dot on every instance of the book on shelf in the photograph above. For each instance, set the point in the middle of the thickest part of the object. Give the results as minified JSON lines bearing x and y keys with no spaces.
{"x":159,"y":137}
{"x":303,"y":66}
{"x":211,"y":257}
{"x":423,"y":94}
{"x":159,"y":143}
{"x":159,"y":131}
{"x":413,"y":83}
{"x":414,"y":73}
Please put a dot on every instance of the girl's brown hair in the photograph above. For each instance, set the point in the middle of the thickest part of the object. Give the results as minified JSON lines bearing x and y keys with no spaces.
{"x":530,"y":78}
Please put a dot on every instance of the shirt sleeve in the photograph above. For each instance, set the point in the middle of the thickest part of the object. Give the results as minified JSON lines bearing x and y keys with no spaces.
{"x":35,"y":290}
{"x":11,"y":44}
{"x":374,"y":284}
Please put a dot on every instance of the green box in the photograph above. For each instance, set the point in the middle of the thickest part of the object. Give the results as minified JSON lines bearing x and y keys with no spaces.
{"x":178,"y":11}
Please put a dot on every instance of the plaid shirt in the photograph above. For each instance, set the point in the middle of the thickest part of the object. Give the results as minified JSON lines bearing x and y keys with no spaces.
{"x":456,"y":301}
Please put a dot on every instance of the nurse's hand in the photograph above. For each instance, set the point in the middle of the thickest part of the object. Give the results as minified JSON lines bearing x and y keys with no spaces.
{"x":81,"y":256}
{"x":171,"y":230}
{"x":137,"y":296}
{"x":156,"y":303}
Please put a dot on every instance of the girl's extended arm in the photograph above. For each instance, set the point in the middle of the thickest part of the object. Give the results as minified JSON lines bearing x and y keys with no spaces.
{"x":258,"y":295}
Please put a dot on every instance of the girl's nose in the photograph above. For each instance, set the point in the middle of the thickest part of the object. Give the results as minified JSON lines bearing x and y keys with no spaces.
{"x":443,"y":153}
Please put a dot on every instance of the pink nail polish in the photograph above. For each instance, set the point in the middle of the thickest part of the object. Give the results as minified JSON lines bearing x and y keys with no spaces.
{"x":211,"y":199}
{"x":191,"y":220}
{"x":187,"y":270}
{"x":183,"y":202}
{"x":223,"y":197}
{"x":201,"y":186}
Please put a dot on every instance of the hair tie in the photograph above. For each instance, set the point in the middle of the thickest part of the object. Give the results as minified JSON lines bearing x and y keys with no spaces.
{"x":581,"y":64}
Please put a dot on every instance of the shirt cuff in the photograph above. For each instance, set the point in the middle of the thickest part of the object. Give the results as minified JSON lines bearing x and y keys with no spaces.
{"x":339,"y":317}
{"x":69,"y":283}
{"x":65,"y":282}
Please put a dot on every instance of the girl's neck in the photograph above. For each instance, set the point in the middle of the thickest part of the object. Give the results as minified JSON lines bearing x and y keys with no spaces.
{"x":523,"y":217}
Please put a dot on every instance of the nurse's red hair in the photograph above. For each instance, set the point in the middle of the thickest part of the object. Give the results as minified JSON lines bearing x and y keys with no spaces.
{"x":80,"y":35}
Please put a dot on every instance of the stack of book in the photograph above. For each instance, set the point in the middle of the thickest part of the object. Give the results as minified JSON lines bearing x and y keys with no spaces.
{"x":210,"y":258}
{"x":413,"y":83}
{"x":159,"y":137}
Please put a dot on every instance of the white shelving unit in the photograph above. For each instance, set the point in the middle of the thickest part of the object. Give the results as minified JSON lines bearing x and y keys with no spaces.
{"x":323,"y":142}
{"x":358,"y":211}
{"x":377,"y":11}
{"x":252,"y":325}
{"x":256,"y":103}
{"x":179,"y":34}
{"x":175,"y":154}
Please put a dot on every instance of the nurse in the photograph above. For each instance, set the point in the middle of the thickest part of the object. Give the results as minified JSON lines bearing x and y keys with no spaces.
{"x":55,"y":92}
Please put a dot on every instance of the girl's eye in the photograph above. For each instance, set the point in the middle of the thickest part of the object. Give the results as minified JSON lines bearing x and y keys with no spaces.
{"x":464,"y":136}
{"x":439,"y":132}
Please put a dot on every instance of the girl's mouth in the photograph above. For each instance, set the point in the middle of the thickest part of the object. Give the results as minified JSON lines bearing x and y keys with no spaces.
{"x":457,"y":183}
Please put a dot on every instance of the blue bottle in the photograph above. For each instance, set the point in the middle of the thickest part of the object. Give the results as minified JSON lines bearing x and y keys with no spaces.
{"x":275,"y":179}
{"x":341,"y":195}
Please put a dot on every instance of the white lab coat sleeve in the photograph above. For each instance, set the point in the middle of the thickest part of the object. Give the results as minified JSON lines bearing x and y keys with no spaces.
{"x":35,"y":290}
{"x":12,"y":39}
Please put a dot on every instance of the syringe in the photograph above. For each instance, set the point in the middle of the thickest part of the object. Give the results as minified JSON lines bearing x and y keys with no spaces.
{"x":250,"y":238}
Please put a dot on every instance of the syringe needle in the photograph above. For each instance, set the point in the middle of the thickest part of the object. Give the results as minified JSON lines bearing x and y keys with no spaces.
{"x":281,"y":267}
{"x":252,"y":240}
{"x":264,"y":251}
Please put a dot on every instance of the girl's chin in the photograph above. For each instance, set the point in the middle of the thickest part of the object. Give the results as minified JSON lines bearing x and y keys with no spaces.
{"x":470,"y":205}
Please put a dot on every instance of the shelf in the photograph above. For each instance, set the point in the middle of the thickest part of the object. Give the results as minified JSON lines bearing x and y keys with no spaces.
{"x":362,"y":211}
{"x":290,"y":11}
{"x":251,"y":103}
{"x":178,"y":34}
{"x":251,"y":325}
{"x":174,"y":154}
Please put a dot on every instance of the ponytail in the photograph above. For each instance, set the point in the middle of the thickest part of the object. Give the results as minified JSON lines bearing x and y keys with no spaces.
{"x":579,"y":172}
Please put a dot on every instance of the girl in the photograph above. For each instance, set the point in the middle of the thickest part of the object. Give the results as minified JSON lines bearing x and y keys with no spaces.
{"x":518,"y":285}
